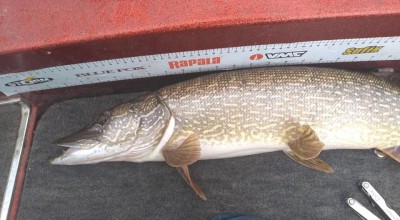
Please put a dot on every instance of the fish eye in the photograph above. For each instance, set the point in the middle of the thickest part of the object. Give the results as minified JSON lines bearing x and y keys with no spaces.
{"x":96,"y":128}
{"x":103,"y":118}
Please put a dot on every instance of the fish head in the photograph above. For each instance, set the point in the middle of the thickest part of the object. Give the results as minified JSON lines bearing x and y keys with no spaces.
{"x":129,"y":132}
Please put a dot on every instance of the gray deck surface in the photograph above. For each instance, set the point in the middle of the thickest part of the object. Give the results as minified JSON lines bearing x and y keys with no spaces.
{"x":269,"y":185}
{"x":10,"y":116}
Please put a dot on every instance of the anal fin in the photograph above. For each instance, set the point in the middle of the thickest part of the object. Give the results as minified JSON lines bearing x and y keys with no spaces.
{"x":393,"y":152}
{"x":184,"y":172}
{"x":313,"y":163}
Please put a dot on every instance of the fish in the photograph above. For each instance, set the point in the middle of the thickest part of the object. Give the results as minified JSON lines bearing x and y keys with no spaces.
{"x":295,"y":109}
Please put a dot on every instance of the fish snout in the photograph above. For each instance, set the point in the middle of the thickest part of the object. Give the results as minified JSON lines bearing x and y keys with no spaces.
{"x":79,"y":143}
{"x":81,"y":139}
{"x":77,"y":147}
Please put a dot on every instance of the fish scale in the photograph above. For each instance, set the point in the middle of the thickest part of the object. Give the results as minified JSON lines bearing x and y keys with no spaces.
{"x":345,"y":108}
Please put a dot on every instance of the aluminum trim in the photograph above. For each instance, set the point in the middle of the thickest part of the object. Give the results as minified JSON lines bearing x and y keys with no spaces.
{"x":19,"y":146}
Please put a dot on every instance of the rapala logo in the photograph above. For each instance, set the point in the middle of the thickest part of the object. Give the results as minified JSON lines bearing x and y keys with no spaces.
{"x":29,"y":81}
{"x":194,"y":62}
{"x":110,"y":71}
{"x":369,"y":49}
{"x":280,"y":55}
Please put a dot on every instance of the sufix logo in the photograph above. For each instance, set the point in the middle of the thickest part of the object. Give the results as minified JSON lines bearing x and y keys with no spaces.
{"x":278,"y":55}
{"x":29,"y":81}
{"x":355,"y":50}
{"x":110,"y":71}
{"x":194,"y":62}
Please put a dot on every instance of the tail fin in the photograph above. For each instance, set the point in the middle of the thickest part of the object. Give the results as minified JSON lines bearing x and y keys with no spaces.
{"x":393,"y":152}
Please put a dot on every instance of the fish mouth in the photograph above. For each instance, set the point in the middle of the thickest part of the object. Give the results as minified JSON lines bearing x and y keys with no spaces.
{"x":79,"y":152}
{"x":71,"y":152}
{"x":69,"y":148}
{"x":63,"y":152}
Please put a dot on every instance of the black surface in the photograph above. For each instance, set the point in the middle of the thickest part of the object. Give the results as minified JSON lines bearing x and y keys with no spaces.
{"x":10,"y":116}
{"x":268,"y":185}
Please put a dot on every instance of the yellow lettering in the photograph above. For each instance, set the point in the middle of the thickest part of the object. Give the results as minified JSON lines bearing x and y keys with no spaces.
{"x":369,"y":49}
{"x":348,"y":51}
{"x":376,"y":49}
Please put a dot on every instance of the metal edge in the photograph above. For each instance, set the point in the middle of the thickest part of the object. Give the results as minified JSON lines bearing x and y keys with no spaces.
{"x":19,"y":146}
{"x":10,"y":101}
{"x":360,"y":210}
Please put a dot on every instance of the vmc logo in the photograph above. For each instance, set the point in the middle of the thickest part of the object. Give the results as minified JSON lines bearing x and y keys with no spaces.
{"x":278,"y":55}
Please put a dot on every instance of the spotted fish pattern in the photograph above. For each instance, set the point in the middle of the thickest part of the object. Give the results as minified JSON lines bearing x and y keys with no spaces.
{"x":252,"y":111}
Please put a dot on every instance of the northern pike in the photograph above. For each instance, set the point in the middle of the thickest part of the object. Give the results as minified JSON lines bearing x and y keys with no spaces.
{"x":298,"y":110}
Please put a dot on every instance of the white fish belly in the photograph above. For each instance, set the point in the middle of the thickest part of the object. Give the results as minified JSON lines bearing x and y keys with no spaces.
{"x":210,"y":151}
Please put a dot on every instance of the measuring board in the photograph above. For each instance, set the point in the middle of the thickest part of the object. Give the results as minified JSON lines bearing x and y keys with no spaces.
{"x":299,"y":53}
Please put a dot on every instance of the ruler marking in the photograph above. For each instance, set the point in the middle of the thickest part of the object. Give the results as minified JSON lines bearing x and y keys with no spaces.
{"x":186,"y":62}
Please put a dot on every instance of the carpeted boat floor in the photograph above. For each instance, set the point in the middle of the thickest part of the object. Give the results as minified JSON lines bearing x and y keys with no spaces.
{"x":269,"y":185}
{"x":10,"y":116}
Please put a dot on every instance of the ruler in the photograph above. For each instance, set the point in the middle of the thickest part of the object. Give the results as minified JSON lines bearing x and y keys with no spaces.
{"x":298,"y":53}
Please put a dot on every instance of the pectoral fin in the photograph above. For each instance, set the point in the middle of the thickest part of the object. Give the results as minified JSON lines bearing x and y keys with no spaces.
{"x":307,"y":145}
{"x":393,"y":152}
{"x":181,"y":153}
{"x":314,"y":163}
{"x":185,"y":153}
{"x":184,"y":171}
